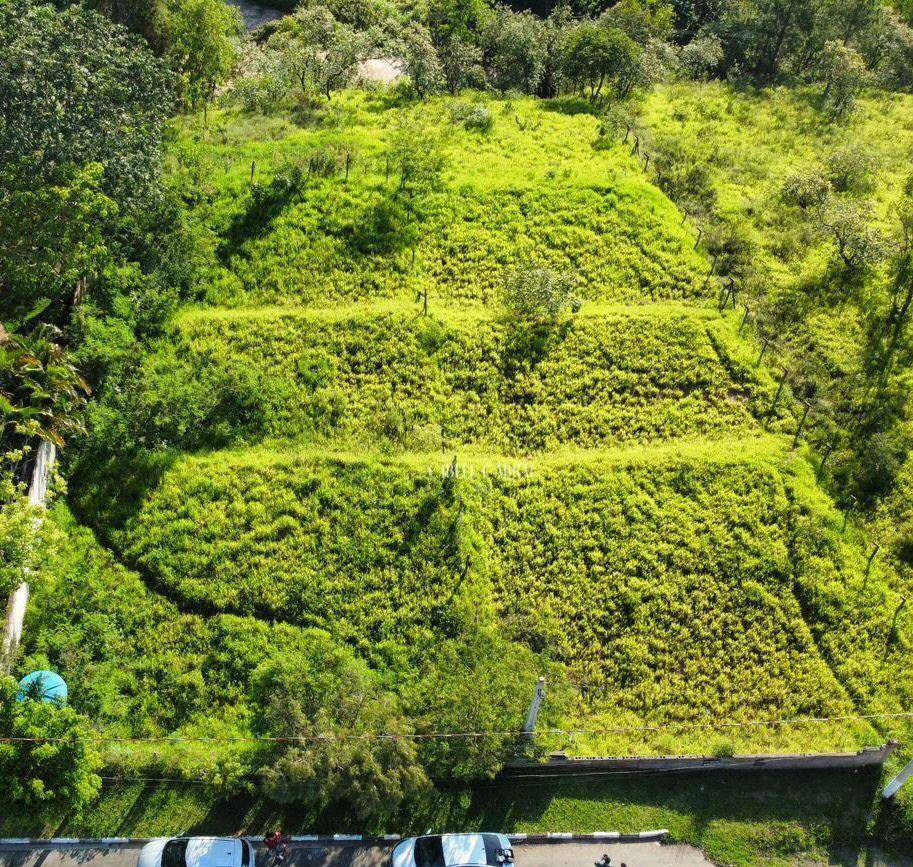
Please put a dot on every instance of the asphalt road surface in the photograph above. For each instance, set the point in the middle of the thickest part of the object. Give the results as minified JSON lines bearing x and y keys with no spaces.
{"x":556,"y":854}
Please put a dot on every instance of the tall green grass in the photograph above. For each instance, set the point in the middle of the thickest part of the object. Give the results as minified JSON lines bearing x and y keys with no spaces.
{"x":666,"y":581}
{"x":391,"y":377}
{"x":509,"y":197}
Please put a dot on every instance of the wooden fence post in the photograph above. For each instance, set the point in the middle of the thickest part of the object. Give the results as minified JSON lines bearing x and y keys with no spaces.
{"x":744,"y":319}
{"x":808,"y":406}
{"x":773,"y":405}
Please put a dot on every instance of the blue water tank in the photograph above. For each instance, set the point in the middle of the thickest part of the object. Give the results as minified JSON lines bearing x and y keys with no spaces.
{"x":44,"y":686}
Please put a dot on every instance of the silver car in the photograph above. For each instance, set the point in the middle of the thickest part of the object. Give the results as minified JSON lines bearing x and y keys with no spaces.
{"x":197,"y":852}
{"x":454,"y":850}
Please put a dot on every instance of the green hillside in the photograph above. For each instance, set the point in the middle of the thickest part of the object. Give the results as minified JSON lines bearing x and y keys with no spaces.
{"x":511,"y":195}
{"x":616,"y":506}
{"x":662,"y":579}
{"x":607,"y":491}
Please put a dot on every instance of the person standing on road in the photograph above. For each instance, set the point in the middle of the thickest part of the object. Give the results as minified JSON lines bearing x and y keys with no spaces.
{"x":276,"y":845}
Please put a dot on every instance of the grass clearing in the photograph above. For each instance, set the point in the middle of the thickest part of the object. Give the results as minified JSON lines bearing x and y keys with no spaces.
{"x":665,"y":579}
{"x":509,"y":197}
{"x":387,"y":376}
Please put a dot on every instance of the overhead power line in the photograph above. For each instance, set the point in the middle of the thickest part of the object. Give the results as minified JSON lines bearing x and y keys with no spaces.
{"x":420,"y":736}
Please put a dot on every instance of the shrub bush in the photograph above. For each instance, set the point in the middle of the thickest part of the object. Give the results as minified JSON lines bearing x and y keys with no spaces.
{"x":534,"y":293}
{"x":475,"y":117}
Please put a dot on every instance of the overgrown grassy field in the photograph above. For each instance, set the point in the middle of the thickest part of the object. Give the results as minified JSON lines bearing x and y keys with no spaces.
{"x":512,"y":195}
{"x":751,"y":143}
{"x":610,"y":490}
{"x":387,"y":376}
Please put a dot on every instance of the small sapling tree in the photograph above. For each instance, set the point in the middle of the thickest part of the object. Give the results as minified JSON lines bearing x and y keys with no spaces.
{"x":533,"y":292}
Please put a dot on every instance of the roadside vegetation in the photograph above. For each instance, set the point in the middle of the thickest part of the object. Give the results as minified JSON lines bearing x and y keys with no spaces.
{"x":579,"y":351}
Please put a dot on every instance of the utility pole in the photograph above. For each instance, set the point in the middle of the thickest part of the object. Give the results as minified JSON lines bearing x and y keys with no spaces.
{"x":15,"y":609}
{"x":893,"y":787}
{"x":529,"y":727}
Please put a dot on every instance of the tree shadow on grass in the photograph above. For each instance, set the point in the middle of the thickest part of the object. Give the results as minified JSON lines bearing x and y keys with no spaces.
{"x":106,"y":493}
{"x":264,"y":204}
{"x":718,"y":811}
{"x":733,"y":816}
{"x":527,"y":344}
{"x":571,"y":105}
{"x":722,"y":812}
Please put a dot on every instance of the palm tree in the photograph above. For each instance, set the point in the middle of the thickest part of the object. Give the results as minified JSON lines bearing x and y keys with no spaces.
{"x":41,"y":392}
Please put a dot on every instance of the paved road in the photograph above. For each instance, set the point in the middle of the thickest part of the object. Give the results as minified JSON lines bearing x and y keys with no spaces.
{"x":558,"y":854}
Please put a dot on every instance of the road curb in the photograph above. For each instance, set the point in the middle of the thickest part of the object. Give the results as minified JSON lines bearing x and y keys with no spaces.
{"x":550,"y":837}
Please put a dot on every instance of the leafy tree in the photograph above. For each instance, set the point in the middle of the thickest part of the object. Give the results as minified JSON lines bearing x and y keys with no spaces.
{"x":887,"y":47}
{"x":642,"y":20}
{"x":299,"y":43}
{"x":42,"y":778}
{"x":848,"y":20}
{"x":555,"y":27}
{"x":461,"y":61}
{"x":810,"y":188}
{"x":330,"y":700}
{"x":692,"y":16}
{"x":54,"y":237}
{"x":659,"y":61}
{"x":702,"y":57}
{"x":462,"y":19}
{"x":422,"y":64}
{"x":202,"y":46}
{"x":844,"y":73}
{"x":594,"y":54}
{"x":514,"y":49}
{"x":41,"y":394}
{"x":148,"y":18}
{"x":81,"y":142}
{"x":482,"y":683}
{"x":851,"y":169}
{"x":319,"y":51}
{"x":764,"y":36}
{"x":76,"y":89}
{"x":859,"y":246}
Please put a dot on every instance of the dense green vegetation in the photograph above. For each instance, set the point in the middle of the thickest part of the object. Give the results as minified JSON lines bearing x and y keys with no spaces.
{"x":381,"y":375}
{"x":402,"y":396}
{"x":695,"y":545}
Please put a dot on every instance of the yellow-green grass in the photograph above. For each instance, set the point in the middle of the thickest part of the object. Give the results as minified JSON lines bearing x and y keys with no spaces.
{"x":136,"y":664}
{"x":682,"y":584}
{"x":751,"y":142}
{"x":510,"y":198}
{"x":385,"y":374}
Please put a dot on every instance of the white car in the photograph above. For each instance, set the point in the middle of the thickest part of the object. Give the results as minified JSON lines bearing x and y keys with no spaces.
{"x":454,"y":850}
{"x":197,"y":852}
